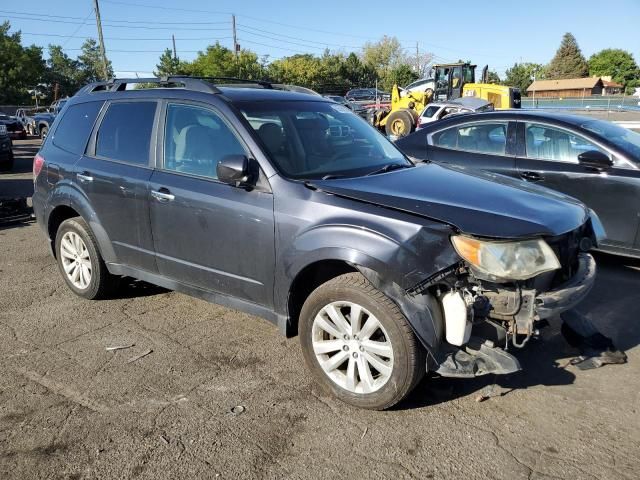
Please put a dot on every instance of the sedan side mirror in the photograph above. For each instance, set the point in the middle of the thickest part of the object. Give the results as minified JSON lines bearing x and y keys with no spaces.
{"x":595,"y":159}
{"x":233,"y":169}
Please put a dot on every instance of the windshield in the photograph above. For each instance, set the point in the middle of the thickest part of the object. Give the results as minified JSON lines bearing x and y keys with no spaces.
{"x":626,"y":139}
{"x":314,"y":140}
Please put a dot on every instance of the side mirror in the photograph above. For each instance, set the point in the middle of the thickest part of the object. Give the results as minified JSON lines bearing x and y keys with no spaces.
{"x":233,"y":169}
{"x":595,"y":159}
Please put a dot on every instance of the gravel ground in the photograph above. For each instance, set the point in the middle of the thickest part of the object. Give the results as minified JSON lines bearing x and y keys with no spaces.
{"x":71,"y":409}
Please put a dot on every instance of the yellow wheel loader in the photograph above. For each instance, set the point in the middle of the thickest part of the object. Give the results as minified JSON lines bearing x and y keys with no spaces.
{"x":452,"y":80}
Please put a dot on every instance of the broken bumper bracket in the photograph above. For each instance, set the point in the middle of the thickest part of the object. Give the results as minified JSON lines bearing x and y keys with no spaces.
{"x":475,"y":361}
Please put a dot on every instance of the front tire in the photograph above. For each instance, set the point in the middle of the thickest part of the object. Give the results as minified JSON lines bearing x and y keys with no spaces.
{"x":80,"y":262}
{"x":399,"y":124}
{"x":359,"y":345}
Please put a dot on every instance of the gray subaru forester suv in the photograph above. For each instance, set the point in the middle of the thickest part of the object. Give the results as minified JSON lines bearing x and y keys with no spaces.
{"x":290,"y":207}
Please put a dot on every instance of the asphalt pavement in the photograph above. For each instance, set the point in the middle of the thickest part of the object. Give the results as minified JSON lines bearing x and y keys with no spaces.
{"x":166,"y":405}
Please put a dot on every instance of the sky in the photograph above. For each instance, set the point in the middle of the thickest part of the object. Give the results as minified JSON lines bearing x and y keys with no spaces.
{"x":497,"y":33}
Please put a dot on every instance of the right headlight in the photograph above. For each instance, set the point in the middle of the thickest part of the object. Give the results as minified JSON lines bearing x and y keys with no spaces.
{"x":518,"y":260}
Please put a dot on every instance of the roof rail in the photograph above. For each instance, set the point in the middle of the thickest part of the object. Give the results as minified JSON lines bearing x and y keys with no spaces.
{"x":120,"y":84}
{"x":215,"y":80}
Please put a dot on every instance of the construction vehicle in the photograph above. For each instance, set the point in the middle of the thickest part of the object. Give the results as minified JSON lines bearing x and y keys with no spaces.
{"x":452,"y":81}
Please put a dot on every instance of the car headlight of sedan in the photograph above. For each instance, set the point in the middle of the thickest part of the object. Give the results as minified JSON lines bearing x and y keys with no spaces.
{"x":518,"y":260}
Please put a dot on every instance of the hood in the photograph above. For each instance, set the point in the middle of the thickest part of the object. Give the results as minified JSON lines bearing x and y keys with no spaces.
{"x":476,"y":203}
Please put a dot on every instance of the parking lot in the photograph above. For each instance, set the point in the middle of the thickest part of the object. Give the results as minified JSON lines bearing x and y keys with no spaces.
{"x":167,"y":406}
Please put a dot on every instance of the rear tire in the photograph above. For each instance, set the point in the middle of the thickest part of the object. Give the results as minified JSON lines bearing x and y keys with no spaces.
{"x":399,"y":124}
{"x":371,"y":361}
{"x":80,"y":262}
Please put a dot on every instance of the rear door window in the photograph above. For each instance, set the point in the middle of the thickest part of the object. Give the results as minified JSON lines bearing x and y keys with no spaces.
{"x":125,"y":132}
{"x":487,"y":137}
{"x":72,"y":133}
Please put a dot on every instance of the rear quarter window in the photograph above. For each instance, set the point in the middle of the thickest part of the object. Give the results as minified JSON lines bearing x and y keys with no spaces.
{"x":72,"y":133}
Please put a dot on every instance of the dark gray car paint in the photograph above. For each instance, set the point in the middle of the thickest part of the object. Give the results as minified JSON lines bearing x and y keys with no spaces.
{"x":395,"y":228}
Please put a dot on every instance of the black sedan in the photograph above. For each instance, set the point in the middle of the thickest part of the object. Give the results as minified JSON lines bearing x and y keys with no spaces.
{"x":592,"y":160}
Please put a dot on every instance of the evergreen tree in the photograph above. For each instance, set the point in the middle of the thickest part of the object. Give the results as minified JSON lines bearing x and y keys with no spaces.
{"x":568,"y":61}
{"x":167,"y":65}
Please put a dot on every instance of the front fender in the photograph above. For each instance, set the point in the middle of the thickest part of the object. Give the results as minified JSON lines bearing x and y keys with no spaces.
{"x":393,"y":261}
{"x":67,"y":194}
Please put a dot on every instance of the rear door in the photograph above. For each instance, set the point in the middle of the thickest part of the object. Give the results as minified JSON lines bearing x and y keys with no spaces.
{"x":207,"y":233}
{"x":114,"y":175}
{"x":548,"y":155}
{"x":487,"y":145}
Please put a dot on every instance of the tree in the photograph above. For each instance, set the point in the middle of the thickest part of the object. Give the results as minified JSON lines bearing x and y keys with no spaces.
{"x":493,"y":77}
{"x":616,"y":63}
{"x":22,"y":68}
{"x":401,"y":75}
{"x":219,"y":61}
{"x":521,"y":75}
{"x":168,"y":65}
{"x":90,"y":63}
{"x":62,"y":71}
{"x":568,"y":61}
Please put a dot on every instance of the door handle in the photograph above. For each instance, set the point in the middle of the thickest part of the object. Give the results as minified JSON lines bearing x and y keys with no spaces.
{"x":84,"y":177}
{"x":162,"y":195}
{"x":531,"y":176}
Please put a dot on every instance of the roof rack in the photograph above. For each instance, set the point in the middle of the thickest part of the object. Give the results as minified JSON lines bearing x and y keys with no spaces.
{"x":216,"y":80}
{"x":120,"y":84}
{"x":199,"y":84}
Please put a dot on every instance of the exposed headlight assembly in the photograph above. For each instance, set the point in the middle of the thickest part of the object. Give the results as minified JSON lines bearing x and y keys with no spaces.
{"x":518,"y":260}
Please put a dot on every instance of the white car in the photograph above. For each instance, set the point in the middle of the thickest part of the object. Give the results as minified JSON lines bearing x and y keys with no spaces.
{"x":438,"y":110}
{"x":422,"y":85}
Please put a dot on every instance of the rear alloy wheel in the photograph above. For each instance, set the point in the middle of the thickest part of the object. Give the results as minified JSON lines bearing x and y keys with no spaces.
{"x":80,"y":262}
{"x":358,"y":344}
{"x":399,"y":124}
{"x":44,"y":131}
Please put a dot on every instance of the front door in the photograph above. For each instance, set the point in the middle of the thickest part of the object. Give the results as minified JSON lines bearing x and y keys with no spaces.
{"x":550,"y":158}
{"x":114,"y":173}
{"x":207,"y":233}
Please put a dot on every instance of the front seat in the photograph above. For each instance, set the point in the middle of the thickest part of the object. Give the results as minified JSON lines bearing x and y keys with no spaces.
{"x":273,"y":138}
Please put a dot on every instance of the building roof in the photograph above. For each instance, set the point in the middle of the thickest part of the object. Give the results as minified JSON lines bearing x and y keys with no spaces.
{"x":610,"y":84}
{"x":564,"y":84}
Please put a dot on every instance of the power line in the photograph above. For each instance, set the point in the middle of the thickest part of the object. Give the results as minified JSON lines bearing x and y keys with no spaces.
{"x":49,"y":16}
{"x":159,"y":7}
{"x":297,"y":38}
{"x":135,"y":27}
{"x":125,"y":38}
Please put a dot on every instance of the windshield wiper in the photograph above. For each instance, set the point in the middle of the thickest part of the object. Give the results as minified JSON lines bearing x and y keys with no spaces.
{"x":331,"y":176}
{"x":389,"y":167}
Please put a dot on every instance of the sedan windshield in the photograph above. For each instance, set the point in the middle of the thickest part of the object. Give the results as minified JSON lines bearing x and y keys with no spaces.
{"x":626,"y":139}
{"x":314,"y":140}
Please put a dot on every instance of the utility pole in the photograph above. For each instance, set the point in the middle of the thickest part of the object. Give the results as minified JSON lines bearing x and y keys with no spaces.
{"x":418,"y":61}
{"x":175,"y":55}
{"x":105,"y":70}
{"x":236,"y":47}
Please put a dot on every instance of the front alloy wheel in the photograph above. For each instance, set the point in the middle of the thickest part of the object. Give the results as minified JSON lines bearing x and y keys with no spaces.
{"x":352,"y":347}
{"x":358,"y":344}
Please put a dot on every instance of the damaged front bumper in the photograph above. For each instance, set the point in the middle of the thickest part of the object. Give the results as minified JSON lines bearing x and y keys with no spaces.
{"x":569,"y":294}
{"x":514,"y":311}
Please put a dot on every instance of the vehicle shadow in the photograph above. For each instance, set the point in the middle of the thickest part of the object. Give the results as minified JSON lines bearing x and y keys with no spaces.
{"x":611,"y":307}
{"x":132,"y":288}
